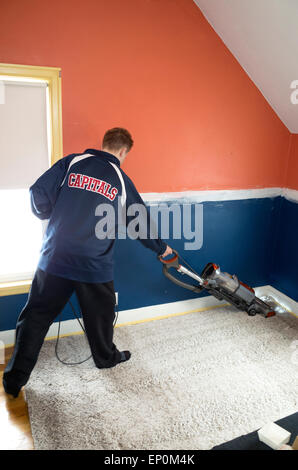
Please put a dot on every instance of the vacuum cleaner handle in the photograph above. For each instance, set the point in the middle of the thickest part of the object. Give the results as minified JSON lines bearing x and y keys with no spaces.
{"x":172,"y":278}
{"x":174,"y":263}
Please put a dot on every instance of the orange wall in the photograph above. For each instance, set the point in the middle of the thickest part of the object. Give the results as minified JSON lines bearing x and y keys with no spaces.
{"x":292,"y":170}
{"x":158,"y":68}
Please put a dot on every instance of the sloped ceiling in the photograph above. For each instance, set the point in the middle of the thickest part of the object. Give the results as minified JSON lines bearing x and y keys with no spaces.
{"x":263,"y":37}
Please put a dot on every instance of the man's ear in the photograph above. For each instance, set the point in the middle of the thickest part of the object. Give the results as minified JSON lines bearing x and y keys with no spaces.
{"x":123,"y":153}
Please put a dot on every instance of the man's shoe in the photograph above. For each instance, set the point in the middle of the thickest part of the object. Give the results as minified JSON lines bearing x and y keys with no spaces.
{"x":14,"y":391}
{"x":125,"y":355}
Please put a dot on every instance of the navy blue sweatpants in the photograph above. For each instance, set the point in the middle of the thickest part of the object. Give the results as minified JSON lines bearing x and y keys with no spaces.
{"x":47,"y":298}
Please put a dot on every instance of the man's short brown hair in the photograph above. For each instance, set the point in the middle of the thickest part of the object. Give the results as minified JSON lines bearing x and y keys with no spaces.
{"x":117,"y":138}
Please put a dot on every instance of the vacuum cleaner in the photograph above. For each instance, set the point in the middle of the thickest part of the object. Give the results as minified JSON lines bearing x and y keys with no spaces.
{"x":221,"y":285}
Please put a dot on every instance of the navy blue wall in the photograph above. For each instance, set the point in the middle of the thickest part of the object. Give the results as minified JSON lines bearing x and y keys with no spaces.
{"x":240,"y":236}
{"x":237,"y":236}
{"x":284,"y":274}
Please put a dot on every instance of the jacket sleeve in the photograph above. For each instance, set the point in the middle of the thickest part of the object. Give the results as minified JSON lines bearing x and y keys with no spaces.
{"x":45,"y":190}
{"x":146,"y":227}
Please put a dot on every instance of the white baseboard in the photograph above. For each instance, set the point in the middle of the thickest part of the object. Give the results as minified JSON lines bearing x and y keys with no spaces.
{"x":68,"y":327}
{"x":155,"y":312}
{"x":125,"y":317}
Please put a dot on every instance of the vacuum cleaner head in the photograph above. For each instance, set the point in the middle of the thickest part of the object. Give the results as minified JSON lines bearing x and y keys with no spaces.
{"x":221,"y":285}
{"x":234,"y":291}
{"x":275,"y":305}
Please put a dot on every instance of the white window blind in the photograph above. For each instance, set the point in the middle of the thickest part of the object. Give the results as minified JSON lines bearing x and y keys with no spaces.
{"x":24,"y":156}
{"x":24,"y":153}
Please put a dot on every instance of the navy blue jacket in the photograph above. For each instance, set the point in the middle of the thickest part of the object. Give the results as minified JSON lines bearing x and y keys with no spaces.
{"x":68,"y":194}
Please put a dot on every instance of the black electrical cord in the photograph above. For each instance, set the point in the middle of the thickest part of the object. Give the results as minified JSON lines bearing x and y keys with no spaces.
{"x":58,"y":336}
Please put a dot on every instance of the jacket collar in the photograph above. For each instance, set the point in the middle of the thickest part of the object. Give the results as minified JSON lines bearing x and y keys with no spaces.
{"x":102,"y":154}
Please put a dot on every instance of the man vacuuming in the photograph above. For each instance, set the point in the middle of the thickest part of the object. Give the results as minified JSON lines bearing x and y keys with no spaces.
{"x":73,"y":257}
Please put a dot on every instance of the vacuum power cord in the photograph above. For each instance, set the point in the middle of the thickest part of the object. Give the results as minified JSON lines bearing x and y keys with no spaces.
{"x":58,"y":336}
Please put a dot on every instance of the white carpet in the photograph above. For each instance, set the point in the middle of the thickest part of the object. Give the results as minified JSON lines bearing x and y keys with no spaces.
{"x":193,"y":381}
